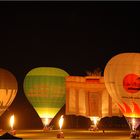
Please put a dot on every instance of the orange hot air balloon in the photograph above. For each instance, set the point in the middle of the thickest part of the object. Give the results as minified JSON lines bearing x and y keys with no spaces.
{"x":122,"y":80}
{"x":8,"y":89}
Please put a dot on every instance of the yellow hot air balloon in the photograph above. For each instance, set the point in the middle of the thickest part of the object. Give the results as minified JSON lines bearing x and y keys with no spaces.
{"x":122,"y":80}
{"x":8,"y":89}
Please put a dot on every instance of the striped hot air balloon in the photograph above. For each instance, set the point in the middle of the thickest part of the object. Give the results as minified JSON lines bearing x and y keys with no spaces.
{"x":44,"y":87}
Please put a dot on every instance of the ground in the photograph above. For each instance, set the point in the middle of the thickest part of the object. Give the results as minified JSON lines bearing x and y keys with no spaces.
{"x":74,"y":134}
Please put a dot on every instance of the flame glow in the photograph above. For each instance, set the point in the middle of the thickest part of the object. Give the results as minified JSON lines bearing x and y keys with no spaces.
{"x":133,"y":123}
{"x":12,"y":121}
{"x":95,"y":120}
{"x":61,"y":120}
{"x":45,"y":121}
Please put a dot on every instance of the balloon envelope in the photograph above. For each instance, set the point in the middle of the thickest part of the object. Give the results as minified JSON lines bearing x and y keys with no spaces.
{"x":122,"y":80}
{"x":45,"y":89}
{"x":8,"y":89}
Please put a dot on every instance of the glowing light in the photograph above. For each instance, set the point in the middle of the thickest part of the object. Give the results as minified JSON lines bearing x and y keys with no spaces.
{"x":12,"y":121}
{"x":46,"y":121}
{"x":61,"y":120}
{"x":133,"y":123}
{"x":95,"y":120}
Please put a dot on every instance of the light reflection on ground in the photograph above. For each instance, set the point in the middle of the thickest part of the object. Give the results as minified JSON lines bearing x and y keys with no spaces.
{"x":73,"y":134}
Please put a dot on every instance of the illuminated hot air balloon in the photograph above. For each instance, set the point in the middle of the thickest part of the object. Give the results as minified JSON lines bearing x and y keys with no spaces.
{"x":44,"y":87}
{"x":88,"y":97}
{"x":122,"y":80}
{"x":8,"y":89}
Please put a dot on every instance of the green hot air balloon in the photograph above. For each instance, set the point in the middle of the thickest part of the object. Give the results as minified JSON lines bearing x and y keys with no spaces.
{"x":44,"y":87}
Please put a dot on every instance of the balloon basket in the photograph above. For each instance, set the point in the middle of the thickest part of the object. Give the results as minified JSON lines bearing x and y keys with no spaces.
{"x":133,"y":124}
{"x":134,"y":134}
{"x":60,"y":134}
{"x":46,"y":129}
{"x":12,"y":132}
{"x":93,"y":128}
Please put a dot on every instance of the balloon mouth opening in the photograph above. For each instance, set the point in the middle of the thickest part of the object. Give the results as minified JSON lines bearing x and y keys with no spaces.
{"x":133,"y":122}
{"x":46,"y":121}
{"x":95,"y":120}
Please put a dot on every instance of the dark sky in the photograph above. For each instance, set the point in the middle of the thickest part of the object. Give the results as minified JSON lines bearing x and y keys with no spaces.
{"x":74,"y":36}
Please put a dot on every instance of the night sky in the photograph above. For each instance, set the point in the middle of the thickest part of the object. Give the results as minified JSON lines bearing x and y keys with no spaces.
{"x":74,"y":36}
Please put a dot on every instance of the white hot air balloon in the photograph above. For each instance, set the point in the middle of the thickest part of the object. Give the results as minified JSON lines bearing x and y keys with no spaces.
{"x":122,"y":80}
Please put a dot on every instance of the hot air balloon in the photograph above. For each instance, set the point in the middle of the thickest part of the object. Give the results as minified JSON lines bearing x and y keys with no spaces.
{"x":122,"y":80}
{"x":8,"y":89}
{"x":44,"y":87}
{"x":92,"y":93}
